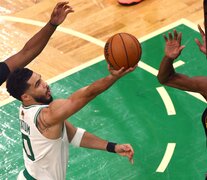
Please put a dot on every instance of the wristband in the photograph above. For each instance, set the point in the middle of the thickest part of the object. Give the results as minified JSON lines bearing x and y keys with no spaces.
{"x":111,"y":147}
{"x":53,"y":25}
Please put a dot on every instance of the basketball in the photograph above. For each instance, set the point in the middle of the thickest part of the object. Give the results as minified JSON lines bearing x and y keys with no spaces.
{"x":122,"y":50}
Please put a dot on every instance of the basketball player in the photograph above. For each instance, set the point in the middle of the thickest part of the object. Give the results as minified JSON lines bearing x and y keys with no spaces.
{"x":168,"y":76}
{"x":46,"y":133}
{"x":36,"y":44}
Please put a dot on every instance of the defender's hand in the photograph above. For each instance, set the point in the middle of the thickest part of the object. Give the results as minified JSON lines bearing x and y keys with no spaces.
{"x":60,"y":12}
{"x":173,"y":46}
{"x":201,"y":45}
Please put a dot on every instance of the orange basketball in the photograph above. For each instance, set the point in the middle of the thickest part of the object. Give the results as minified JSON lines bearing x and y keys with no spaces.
{"x":122,"y":50}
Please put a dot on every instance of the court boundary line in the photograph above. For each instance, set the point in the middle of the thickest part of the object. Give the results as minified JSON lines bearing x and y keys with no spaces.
{"x":154,"y":71}
{"x":167,"y":157}
{"x":92,"y":40}
{"x":59,"y":28}
{"x":169,"y":106}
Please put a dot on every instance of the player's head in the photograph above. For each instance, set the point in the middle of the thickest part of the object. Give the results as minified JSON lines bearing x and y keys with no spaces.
{"x":28,"y":87}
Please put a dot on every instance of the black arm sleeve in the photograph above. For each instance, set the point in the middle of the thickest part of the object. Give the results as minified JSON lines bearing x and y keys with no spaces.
{"x":4,"y":72}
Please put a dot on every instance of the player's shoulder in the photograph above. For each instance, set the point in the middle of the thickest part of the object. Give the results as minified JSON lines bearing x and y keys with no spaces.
{"x":56,"y":104}
{"x":50,"y":110}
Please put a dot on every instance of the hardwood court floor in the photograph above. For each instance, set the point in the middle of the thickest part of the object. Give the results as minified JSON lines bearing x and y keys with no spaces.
{"x":99,"y":19}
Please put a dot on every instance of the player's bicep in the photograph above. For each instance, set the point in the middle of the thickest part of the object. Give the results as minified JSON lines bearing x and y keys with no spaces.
{"x":60,"y":110}
{"x":16,"y":61}
{"x":55,"y":113}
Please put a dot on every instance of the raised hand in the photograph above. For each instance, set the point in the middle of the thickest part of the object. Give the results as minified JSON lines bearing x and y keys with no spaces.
{"x":173,"y":46}
{"x":125,"y":150}
{"x":201,"y":45}
{"x":60,"y":12}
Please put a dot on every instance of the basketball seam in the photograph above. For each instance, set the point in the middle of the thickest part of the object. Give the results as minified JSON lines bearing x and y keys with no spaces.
{"x":112,"y":53}
{"x":107,"y":50}
{"x":127,"y":58}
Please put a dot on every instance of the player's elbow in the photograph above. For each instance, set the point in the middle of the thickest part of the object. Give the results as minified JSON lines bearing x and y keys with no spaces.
{"x":161,"y":80}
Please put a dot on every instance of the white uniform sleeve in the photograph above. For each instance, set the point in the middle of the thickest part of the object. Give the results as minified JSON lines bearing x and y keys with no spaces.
{"x":78,"y":137}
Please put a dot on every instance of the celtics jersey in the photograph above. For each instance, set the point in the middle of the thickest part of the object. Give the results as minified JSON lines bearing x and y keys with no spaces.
{"x":43,"y":158}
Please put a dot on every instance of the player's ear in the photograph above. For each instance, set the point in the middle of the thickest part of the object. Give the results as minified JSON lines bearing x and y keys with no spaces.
{"x":25,"y":97}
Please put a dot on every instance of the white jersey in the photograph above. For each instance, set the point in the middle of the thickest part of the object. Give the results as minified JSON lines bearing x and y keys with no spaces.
{"x":43,"y":158}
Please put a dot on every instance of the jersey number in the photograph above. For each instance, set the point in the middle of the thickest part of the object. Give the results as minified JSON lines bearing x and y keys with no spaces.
{"x":27,"y":147}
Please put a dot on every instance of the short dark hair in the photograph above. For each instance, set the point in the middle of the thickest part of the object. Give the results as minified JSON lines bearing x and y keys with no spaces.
{"x":16,"y":83}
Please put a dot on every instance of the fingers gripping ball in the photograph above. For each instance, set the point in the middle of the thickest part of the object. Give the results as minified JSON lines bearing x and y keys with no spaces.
{"x":122,"y":50}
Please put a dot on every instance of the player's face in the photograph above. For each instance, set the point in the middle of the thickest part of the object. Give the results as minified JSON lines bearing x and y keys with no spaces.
{"x":39,"y":89}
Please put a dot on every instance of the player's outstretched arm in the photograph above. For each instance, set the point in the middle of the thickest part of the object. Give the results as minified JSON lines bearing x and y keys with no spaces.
{"x":173,"y":49}
{"x":37,"y":43}
{"x":59,"y":110}
{"x":201,"y":44}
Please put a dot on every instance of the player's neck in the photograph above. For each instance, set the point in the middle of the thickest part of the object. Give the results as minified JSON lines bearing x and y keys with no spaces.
{"x":30,"y":103}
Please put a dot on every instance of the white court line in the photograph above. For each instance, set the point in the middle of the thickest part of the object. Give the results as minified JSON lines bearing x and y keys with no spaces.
{"x":7,"y":101}
{"x":197,"y":95}
{"x":168,"y":27}
{"x":167,"y":157}
{"x":154,"y":71}
{"x":59,"y":28}
{"x":84,"y":65}
{"x":61,"y":76}
{"x":92,"y":39}
{"x":148,"y":68}
{"x":101,"y":44}
{"x":96,"y":41}
{"x":178,"y":63}
{"x":166,"y":100}
{"x":76,"y":69}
